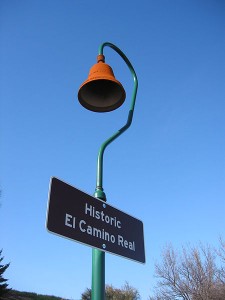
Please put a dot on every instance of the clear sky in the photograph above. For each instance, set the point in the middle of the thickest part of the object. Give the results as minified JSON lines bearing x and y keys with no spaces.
{"x":168,"y":169}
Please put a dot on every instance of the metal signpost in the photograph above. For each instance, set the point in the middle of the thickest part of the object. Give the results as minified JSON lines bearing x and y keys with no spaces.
{"x":81,"y":217}
{"x":78,"y":216}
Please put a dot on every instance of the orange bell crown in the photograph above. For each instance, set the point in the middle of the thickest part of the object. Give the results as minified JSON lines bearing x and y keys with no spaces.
{"x":101,"y":92}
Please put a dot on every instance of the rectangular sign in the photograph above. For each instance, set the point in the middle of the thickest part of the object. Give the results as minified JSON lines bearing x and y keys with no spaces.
{"x":78,"y":216}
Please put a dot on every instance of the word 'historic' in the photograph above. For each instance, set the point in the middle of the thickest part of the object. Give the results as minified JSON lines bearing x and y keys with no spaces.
{"x":100,"y":215}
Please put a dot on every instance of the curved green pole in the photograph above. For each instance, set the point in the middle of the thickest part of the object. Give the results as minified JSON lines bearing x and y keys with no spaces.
{"x":98,"y":256}
{"x":129,"y":119}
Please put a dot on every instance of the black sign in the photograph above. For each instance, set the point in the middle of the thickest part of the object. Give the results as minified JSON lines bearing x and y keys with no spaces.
{"x":86,"y":219}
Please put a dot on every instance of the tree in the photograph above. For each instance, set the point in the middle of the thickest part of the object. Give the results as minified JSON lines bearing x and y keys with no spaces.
{"x":190,"y":275}
{"x":3,"y":285}
{"x":86,"y":295}
{"x":221,"y":254}
{"x":127,"y":292}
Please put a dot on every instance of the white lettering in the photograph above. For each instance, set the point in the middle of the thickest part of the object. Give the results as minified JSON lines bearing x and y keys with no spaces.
{"x":98,"y":233}
{"x":112,"y":239}
{"x":132,"y":246}
{"x":118,"y":224}
{"x":124,"y":243}
{"x":120,"y":240}
{"x":100,"y":215}
{"x":80,"y":226}
{"x":97,"y":215}
{"x":67,"y":220}
{"x":89,"y":230}
{"x":88,"y":209}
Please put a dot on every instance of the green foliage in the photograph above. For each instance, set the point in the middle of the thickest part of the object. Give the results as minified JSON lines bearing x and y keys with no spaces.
{"x":3,"y":285}
{"x":16,"y":295}
{"x":127,"y":292}
{"x":86,"y":294}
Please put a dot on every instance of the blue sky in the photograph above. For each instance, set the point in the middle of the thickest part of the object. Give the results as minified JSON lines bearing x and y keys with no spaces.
{"x":168,"y":169}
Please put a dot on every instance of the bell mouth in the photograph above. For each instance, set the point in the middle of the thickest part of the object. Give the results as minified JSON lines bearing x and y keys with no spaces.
{"x":101,"y":95}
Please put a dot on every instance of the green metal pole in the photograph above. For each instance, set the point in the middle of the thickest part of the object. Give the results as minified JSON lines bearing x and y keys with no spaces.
{"x":98,"y":265}
{"x":98,"y":256}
